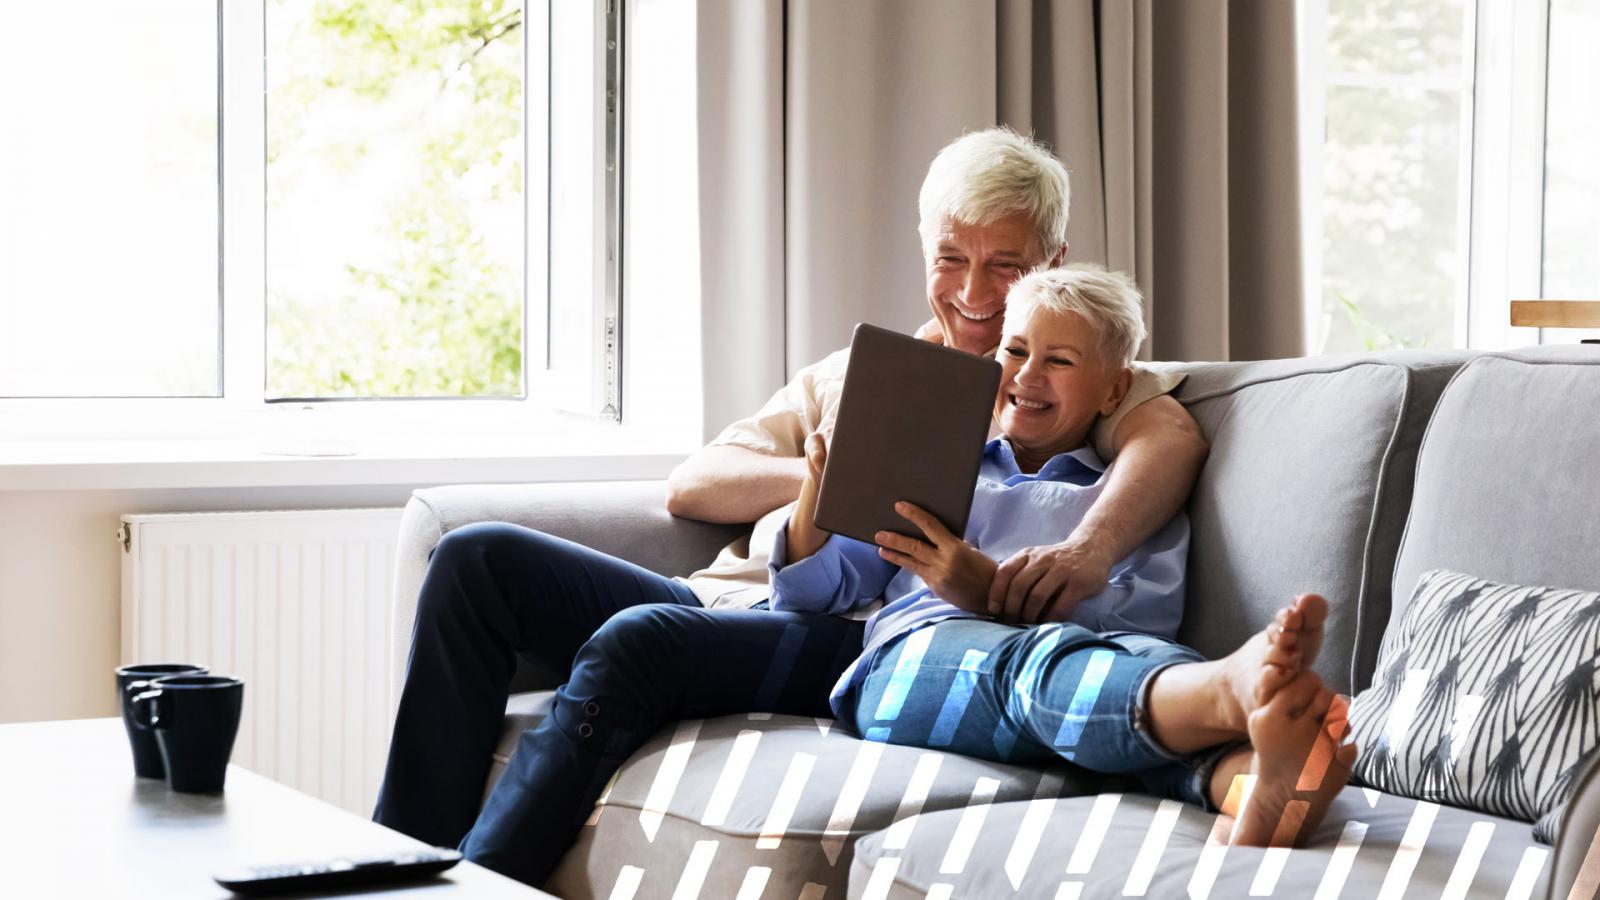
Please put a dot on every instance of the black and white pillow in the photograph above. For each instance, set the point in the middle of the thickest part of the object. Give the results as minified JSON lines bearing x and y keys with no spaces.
{"x":1487,"y":696}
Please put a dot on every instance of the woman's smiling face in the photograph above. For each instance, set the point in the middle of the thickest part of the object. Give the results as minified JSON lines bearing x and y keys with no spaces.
{"x":1053,"y":383}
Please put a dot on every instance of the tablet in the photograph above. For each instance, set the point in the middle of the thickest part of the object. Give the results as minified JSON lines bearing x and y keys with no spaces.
{"x":912,"y":423}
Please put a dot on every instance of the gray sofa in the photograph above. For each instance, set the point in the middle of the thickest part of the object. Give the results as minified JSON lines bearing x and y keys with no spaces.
{"x":1349,"y":475}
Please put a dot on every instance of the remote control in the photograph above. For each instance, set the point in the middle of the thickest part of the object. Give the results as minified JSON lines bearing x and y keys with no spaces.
{"x":339,"y":872}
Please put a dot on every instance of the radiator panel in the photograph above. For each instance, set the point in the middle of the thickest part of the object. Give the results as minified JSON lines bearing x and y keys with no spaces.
{"x":296,"y":603}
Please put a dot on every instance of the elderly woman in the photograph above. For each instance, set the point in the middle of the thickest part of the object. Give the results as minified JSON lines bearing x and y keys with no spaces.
{"x":1107,"y":689}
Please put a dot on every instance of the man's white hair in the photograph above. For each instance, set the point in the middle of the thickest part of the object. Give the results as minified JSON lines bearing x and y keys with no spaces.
{"x":1109,"y":301}
{"x":984,"y":175}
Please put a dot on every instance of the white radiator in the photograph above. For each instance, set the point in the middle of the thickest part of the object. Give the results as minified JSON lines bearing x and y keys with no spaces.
{"x":295,"y":603}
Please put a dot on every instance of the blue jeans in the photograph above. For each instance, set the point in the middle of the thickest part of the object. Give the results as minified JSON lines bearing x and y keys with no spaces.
{"x":640,"y":651}
{"x":1030,"y":696}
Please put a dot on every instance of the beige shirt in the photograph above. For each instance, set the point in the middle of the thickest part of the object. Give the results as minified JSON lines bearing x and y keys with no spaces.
{"x":738,"y":576}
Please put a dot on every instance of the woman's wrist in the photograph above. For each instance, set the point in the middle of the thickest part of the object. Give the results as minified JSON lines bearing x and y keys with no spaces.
{"x":802,"y":534}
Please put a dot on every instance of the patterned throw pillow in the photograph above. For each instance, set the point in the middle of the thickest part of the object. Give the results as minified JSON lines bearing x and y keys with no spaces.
{"x":1487,"y":696}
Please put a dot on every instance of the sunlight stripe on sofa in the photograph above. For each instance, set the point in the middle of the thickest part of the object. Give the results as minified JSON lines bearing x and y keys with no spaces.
{"x":1155,"y":844}
{"x":1341,"y":861}
{"x":851,"y":796}
{"x":673,"y":763}
{"x":755,"y":881}
{"x":788,"y":799}
{"x":1466,"y":867}
{"x":1094,"y":832}
{"x":694,"y":871}
{"x":916,"y":794}
{"x":1032,"y":827}
{"x":731,"y":777}
{"x":969,"y":826}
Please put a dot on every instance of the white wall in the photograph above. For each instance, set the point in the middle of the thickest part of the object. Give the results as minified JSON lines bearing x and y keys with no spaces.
{"x":60,"y":584}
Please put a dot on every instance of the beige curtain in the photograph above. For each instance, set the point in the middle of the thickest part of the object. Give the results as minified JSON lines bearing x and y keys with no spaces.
{"x":818,"y":119}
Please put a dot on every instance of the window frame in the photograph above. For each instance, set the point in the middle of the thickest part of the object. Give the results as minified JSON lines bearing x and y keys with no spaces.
{"x":550,"y":392}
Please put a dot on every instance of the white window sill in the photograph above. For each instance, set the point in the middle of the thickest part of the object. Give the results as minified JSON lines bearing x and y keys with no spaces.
{"x":599,"y":453}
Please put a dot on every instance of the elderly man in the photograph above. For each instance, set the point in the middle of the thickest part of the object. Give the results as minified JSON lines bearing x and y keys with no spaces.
{"x":993,"y":207}
{"x":641,"y":650}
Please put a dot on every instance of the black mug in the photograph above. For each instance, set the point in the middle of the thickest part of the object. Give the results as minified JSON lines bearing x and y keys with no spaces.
{"x":195,"y":719}
{"x":146,"y":755}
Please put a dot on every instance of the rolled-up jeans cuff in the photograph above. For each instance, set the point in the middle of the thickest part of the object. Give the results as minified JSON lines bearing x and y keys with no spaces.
{"x":1141,"y":725}
{"x":1203,"y":763}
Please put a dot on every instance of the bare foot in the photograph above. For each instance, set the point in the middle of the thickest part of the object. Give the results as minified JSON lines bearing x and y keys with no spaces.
{"x":1201,"y":705}
{"x":1300,"y":764}
{"x":1271,"y":657}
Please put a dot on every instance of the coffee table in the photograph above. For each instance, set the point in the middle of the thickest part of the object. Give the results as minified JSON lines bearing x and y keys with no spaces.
{"x":75,"y":822}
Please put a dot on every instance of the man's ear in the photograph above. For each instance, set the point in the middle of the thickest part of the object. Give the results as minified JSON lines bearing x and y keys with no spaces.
{"x":1119,"y":390}
{"x":1060,"y":257}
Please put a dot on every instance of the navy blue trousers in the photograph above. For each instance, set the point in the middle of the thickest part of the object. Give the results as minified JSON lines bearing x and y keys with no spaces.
{"x":641,"y":653}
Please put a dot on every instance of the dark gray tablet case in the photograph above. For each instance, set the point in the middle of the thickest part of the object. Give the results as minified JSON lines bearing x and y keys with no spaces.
{"x":912,"y":423}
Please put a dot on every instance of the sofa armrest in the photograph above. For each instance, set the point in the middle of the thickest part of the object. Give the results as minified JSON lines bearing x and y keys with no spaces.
{"x":1575,"y":871}
{"x":627,"y":519}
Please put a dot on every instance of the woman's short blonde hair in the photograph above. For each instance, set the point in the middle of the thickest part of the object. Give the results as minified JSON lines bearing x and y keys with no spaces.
{"x":1109,"y":301}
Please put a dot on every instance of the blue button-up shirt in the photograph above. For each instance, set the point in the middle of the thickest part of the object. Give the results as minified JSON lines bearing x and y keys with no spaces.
{"x":1011,"y":510}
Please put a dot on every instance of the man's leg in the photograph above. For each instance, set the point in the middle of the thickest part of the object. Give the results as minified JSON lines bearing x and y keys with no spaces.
{"x":644,"y":668}
{"x":492,"y":590}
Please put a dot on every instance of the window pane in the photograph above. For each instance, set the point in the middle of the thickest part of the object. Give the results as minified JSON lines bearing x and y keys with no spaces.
{"x":394,"y":198}
{"x":1393,"y":167}
{"x":1397,"y":37}
{"x":1572,"y":144}
{"x":108,"y":199}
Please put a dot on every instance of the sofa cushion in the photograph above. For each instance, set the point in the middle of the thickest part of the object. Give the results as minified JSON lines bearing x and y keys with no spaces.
{"x":1306,"y":489}
{"x":1507,"y":484}
{"x":719,"y":799}
{"x":1371,"y":844}
{"x":1485,"y":697}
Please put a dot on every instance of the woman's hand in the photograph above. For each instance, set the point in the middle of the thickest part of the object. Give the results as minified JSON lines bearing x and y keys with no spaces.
{"x":803,"y":536}
{"x":1045,"y":584}
{"x":952,"y":568}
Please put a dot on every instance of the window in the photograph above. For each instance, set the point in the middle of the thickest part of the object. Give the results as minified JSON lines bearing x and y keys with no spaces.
{"x":1395,"y":100}
{"x":108,"y":202}
{"x":367,"y":216}
{"x":1448,"y":168}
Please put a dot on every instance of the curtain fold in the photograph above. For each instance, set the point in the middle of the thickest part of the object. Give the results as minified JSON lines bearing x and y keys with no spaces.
{"x":1176,"y":119}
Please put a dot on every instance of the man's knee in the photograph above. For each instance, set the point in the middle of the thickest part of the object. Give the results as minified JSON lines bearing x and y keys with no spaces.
{"x":463,"y":556}
{"x":643,"y":635}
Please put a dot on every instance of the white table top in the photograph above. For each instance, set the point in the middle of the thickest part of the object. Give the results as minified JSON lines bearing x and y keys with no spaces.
{"x":75,"y":822}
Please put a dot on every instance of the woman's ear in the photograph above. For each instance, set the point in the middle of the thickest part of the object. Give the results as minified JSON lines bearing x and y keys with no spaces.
{"x":1119,"y":389}
{"x":1060,"y":257}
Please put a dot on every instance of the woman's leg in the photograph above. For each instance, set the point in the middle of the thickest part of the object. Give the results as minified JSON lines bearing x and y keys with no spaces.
{"x":1020,"y":695}
{"x":1023,"y":695}
{"x":492,"y":590}
{"x":644,"y":668}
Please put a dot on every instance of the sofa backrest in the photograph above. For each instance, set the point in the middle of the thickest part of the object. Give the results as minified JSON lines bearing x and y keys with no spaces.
{"x":1508,"y":480}
{"x":1306,"y":489}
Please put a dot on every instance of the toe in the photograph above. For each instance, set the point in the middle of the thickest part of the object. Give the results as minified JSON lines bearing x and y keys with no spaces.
{"x":1313,"y":609}
{"x":1272,"y":680}
{"x":1293,"y":699}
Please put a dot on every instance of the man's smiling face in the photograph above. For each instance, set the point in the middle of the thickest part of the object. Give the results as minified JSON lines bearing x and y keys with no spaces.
{"x":970,"y":269}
